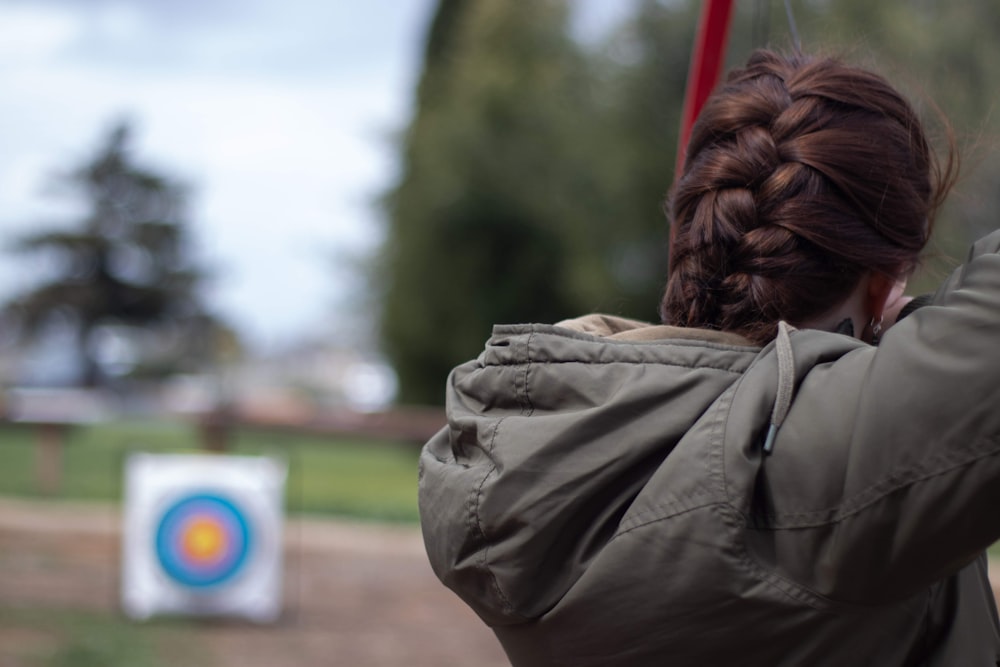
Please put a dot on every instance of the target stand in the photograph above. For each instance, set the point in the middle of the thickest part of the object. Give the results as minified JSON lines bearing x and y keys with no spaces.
{"x":203,"y":536}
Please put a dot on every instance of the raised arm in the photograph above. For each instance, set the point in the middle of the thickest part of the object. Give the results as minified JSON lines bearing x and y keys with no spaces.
{"x":886,"y":473}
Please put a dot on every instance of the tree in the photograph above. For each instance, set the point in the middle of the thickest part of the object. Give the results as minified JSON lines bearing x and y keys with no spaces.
{"x":123,"y":273}
{"x":535,"y":169}
{"x":495,"y":216}
{"x":644,"y":67}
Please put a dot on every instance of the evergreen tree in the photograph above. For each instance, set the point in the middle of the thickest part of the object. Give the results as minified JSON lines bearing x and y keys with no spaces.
{"x":645,"y":66}
{"x":492,"y":219}
{"x":535,"y":170}
{"x":125,"y":268}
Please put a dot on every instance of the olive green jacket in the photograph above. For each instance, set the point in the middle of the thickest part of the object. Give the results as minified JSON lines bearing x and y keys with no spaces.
{"x":601,"y":494}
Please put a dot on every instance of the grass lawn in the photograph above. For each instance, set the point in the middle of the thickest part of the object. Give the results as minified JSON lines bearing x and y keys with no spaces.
{"x":362,"y":479}
{"x":60,"y":638}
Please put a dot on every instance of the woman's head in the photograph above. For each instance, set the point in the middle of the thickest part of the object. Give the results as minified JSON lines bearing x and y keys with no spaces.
{"x":802,"y":176}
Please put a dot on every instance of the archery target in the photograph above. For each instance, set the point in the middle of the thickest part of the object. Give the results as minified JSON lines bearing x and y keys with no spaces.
{"x":202,"y":540}
{"x":203,"y":535}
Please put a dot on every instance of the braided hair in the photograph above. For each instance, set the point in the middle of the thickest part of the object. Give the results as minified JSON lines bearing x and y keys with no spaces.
{"x":802,"y":175}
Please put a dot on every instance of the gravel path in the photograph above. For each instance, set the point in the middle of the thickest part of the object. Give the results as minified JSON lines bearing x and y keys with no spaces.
{"x":355,"y":594}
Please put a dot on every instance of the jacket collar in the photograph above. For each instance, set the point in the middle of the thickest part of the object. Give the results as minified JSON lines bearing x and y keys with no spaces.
{"x":621,"y":328}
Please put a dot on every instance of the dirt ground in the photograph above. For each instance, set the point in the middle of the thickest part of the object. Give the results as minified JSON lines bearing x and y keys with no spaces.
{"x":355,"y":594}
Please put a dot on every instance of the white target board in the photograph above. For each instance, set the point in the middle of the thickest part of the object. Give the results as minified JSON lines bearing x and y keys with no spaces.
{"x":202,"y":535}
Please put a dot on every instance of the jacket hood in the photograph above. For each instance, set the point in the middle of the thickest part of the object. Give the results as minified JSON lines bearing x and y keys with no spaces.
{"x":609,"y":493}
{"x":553,"y":433}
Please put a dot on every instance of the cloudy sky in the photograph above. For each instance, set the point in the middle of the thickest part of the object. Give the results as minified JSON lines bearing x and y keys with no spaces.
{"x":279,"y":115}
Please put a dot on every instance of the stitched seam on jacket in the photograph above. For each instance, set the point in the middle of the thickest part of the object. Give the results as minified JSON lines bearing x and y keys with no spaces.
{"x":675,"y":509}
{"x":717,"y":440}
{"x":793,"y":589}
{"x":647,"y":362}
{"x":508,"y":606}
{"x":736,"y":520}
{"x":526,"y":407}
{"x":879,"y":490}
{"x":527,"y":368}
{"x":721,"y":444}
{"x":785,"y":587}
{"x":789,"y":588}
{"x":563,"y":333}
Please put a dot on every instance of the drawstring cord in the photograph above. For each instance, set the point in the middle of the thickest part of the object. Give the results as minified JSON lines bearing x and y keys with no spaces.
{"x":786,"y":382}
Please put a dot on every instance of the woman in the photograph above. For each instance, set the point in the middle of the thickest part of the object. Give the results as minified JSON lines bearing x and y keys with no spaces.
{"x":753,"y":482}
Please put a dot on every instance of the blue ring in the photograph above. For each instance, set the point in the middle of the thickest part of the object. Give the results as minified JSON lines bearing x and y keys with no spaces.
{"x":168,"y":547}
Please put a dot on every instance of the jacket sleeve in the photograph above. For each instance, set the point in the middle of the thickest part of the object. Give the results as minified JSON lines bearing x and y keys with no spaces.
{"x":888,"y":478}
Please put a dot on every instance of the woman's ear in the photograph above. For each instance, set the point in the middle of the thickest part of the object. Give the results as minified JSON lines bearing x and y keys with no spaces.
{"x":885,"y":298}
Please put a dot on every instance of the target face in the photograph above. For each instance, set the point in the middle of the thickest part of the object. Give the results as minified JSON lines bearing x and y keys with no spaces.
{"x":202,"y":535}
{"x":203,"y":540}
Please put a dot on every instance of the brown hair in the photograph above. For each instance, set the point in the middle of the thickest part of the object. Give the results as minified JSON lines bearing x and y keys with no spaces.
{"x":802,"y":175}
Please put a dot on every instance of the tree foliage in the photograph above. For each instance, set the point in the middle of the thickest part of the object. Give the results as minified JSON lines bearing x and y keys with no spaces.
{"x":494,"y":217}
{"x":535,"y":167}
{"x":123,"y":273}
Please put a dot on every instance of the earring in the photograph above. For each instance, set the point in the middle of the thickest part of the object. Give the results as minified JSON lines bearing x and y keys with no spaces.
{"x":876,"y":326}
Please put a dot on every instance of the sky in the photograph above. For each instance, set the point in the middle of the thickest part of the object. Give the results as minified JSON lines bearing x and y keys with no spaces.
{"x":280,"y":117}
